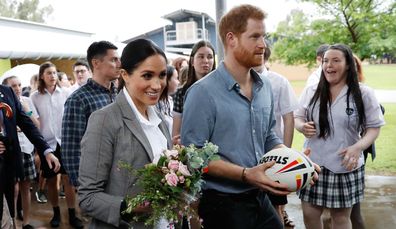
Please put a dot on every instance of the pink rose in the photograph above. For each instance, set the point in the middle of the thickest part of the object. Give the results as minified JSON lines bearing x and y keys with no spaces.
{"x":181,"y":179}
{"x":171,"y":179}
{"x":173,"y":165}
{"x":171,"y":153}
{"x":184,"y":170}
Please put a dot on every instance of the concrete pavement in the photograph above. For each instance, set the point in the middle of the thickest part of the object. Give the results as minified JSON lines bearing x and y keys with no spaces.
{"x":385,"y":96}
{"x":378,"y":208}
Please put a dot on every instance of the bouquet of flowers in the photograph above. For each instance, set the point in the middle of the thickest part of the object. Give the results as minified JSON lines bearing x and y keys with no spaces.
{"x":171,"y":185}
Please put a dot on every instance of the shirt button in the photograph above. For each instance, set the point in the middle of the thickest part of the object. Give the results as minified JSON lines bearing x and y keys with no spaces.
{"x":257,"y":153}
{"x":254,"y":131}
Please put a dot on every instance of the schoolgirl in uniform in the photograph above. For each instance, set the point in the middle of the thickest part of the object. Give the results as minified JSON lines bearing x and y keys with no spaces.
{"x":332,"y":115}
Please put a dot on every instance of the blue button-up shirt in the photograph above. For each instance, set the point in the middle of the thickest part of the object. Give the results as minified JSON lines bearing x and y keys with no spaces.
{"x":78,"y":107}
{"x":215,"y":110}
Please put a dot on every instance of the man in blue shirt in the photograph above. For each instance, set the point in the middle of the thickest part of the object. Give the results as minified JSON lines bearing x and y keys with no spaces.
{"x":98,"y":92}
{"x":233,"y":108}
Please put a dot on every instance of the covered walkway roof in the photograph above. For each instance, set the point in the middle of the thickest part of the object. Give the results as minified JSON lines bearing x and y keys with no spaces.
{"x":29,"y":40}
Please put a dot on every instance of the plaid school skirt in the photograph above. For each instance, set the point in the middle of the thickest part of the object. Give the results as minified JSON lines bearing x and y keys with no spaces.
{"x":335,"y":190}
{"x":29,"y":169}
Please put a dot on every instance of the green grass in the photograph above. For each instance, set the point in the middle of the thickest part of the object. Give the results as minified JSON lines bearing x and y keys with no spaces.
{"x":380,"y":76}
{"x":377,"y":77}
{"x":385,"y":162}
{"x":298,"y":84}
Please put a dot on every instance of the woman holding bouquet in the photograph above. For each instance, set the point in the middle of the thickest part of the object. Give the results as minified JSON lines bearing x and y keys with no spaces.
{"x":126,"y":131}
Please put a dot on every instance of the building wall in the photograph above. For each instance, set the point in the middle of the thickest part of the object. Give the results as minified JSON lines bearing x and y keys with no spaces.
{"x":212,"y":36}
{"x":158,"y":38}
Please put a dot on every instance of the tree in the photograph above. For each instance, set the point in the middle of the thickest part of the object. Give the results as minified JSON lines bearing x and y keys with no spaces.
{"x":385,"y":41}
{"x":364,"y":25}
{"x":27,"y":10}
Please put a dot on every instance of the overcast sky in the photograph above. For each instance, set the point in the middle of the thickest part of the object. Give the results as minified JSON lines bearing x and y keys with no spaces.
{"x":124,"y":19}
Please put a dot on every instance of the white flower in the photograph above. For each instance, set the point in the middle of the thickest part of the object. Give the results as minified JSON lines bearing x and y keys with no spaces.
{"x":171,"y":153}
{"x":184,"y":170}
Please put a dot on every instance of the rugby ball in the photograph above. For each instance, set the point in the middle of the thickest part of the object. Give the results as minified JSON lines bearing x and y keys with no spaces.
{"x":292,"y":168}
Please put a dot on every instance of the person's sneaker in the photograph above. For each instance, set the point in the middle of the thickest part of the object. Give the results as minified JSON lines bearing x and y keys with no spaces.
{"x":62,"y":194}
{"x":27,"y":226}
{"x":76,"y":223}
{"x":40,"y":197}
{"x":288,"y":222}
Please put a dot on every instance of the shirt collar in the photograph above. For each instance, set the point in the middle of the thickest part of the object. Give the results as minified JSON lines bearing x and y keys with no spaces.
{"x":153,"y":120}
{"x":95,"y":85}
{"x":57,"y":89}
{"x":265,"y":72}
{"x":230,"y":81}
{"x":343,"y":93}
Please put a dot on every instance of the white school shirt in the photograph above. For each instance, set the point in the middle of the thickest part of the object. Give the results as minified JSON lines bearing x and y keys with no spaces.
{"x":314,"y":77}
{"x":155,"y":136}
{"x":26,"y":146}
{"x":325,"y":152}
{"x":74,"y":87}
{"x":285,"y":100}
{"x":50,"y":109}
{"x":150,"y":127}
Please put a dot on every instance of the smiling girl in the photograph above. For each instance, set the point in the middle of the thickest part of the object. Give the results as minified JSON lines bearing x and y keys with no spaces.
{"x":331,"y":117}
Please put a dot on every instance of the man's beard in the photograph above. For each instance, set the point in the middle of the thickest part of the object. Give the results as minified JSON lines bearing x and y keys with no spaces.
{"x":246,"y":58}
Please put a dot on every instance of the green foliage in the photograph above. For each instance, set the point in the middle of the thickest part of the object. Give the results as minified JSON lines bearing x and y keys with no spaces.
{"x":291,"y":44}
{"x":7,"y":8}
{"x":27,"y":10}
{"x":368,"y":27}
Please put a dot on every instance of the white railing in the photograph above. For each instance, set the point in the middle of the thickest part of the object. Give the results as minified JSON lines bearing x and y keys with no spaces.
{"x":170,"y":37}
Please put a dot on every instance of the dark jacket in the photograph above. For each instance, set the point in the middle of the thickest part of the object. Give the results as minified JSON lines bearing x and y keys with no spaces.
{"x":11,"y":165}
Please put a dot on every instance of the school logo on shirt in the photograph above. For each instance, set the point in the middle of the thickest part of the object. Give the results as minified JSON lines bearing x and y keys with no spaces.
{"x":349,"y":111}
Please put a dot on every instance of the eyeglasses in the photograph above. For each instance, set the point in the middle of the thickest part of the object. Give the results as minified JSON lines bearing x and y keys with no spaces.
{"x":82,"y":71}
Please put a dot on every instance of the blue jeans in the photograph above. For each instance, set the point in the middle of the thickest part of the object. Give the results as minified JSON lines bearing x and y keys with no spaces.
{"x":248,"y":210}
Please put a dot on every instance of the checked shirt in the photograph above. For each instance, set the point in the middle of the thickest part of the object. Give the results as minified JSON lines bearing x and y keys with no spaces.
{"x":78,"y":107}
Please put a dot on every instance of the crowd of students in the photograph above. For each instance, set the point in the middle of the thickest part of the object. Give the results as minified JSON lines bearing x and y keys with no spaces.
{"x":132,"y":107}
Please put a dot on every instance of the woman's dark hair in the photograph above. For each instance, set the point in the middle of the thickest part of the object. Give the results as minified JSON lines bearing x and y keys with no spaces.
{"x":164,"y":104}
{"x":169,"y":72}
{"x":135,"y":53}
{"x":41,"y":83}
{"x":192,"y":77}
{"x":322,"y":94}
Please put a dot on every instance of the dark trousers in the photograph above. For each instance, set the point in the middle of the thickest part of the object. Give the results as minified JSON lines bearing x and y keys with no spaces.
{"x":8,"y":169}
{"x":248,"y":210}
